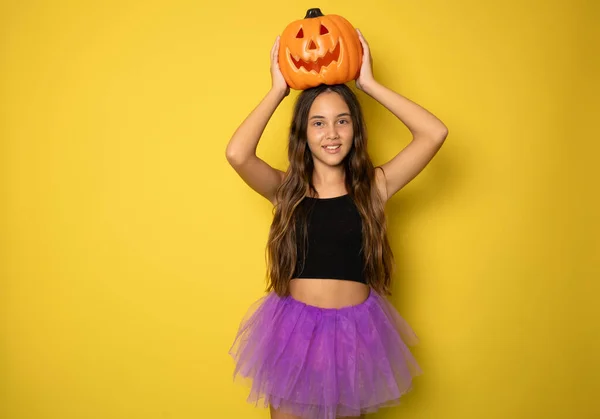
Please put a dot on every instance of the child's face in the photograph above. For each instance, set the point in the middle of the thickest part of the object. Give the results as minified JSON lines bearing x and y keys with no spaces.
{"x":330,"y":132}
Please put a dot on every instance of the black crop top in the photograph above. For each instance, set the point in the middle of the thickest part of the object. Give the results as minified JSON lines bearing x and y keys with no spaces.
{"x":334,"y":244}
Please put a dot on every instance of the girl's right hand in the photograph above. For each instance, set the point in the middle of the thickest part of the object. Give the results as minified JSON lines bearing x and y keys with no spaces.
{"x":277,"y":80}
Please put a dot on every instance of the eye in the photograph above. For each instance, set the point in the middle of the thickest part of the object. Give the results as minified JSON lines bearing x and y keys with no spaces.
{"x":324,"y":30}
{"x":300,"y":34}
{"x":317,"y":123}
{"x":343,"y":121}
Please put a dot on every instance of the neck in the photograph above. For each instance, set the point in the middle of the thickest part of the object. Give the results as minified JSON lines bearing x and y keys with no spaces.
{"x":327,"y":176}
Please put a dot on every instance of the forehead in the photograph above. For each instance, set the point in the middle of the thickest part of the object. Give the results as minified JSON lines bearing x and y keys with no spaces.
{"x":328,"y":104}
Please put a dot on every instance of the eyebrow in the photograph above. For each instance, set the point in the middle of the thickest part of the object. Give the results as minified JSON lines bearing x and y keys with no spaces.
{"x":322,"y":117}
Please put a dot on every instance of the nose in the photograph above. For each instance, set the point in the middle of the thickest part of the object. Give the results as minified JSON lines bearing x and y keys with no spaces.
{"x":311,"y":45}
{"x":332,"y":132}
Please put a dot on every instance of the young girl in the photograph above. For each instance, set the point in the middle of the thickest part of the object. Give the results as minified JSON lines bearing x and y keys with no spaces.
{"x":325,"y":342}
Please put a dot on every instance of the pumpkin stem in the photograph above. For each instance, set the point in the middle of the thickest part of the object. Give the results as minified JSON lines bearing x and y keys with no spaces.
{"x":313,"y":13}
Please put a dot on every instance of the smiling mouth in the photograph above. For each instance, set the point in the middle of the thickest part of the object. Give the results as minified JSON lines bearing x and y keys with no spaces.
{"x":320,"y":63}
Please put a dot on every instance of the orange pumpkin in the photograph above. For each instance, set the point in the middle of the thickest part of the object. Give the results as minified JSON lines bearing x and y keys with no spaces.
{"x":319,"y":49}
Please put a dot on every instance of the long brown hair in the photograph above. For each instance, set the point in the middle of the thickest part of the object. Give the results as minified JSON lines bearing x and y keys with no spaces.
{"x":360,"y":184}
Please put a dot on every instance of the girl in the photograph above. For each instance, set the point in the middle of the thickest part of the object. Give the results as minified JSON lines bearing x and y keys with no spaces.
{"x":325,"y":342}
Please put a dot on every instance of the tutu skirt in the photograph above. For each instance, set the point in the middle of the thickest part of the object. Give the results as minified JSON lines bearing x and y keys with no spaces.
{"x":323,"y":363}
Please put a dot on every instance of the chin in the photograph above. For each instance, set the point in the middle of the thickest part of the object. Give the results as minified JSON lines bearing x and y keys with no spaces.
{"x":334,"y":162}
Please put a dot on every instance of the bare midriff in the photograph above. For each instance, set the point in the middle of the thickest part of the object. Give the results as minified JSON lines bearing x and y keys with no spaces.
{"x":328,"y":293}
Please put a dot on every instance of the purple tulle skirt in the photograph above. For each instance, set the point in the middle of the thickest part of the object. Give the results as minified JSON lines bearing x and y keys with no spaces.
{"x":323,"y":363}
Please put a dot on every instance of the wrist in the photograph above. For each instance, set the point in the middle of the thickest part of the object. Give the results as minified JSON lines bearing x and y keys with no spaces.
{"x":277,"y":93}
{"x":368,"y":86}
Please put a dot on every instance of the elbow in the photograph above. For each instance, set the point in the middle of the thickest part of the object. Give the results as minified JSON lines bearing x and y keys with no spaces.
{"x":435,"y":137}
{"x":441,"y":134}
{"x":234,"y":157}
{"x":437,"y":134}
{"x":231,"y":156}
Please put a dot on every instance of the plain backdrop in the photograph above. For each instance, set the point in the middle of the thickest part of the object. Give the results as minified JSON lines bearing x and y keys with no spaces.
{"x":130,"y":250}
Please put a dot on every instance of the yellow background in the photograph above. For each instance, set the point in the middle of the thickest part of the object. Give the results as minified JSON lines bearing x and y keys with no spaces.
{"x":130,"y":249}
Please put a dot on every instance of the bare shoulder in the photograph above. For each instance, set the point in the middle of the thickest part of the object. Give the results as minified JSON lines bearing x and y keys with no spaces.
{"x":381,"y":183}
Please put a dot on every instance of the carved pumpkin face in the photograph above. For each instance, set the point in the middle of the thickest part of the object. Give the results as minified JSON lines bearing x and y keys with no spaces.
{"x":319,"y":50}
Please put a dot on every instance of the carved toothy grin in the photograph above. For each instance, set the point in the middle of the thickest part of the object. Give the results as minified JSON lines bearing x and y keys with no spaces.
{"x":320,"y":63}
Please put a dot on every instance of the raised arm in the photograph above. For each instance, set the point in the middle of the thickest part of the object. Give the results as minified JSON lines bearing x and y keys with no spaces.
{"x":429,"y":133}
{"x":241,"y":149}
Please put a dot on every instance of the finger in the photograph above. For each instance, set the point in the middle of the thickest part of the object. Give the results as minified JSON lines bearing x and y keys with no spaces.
{"x":277,"y":48}
{"x":274,"y":49}
{"x":362,"y":38}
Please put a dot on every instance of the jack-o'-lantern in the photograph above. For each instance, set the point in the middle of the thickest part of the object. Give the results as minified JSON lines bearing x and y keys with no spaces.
{"x":319,"y":49}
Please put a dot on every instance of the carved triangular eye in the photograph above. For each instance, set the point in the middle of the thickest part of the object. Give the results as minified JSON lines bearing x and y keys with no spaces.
{"x":324,"y":30}
{"x":300,"y":34}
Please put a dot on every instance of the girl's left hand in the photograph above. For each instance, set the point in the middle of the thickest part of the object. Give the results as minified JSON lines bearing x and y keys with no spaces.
{"x":365,"y":76}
